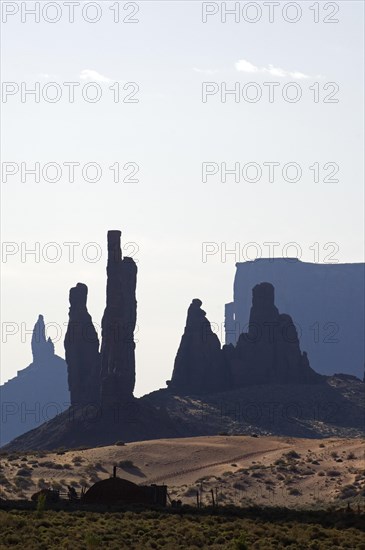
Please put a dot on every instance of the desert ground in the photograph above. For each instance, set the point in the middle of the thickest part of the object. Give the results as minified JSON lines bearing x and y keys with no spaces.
{"x":241,"y":470}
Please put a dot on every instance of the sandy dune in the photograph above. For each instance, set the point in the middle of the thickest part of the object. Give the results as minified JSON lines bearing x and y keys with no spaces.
{"x":239,"y":469}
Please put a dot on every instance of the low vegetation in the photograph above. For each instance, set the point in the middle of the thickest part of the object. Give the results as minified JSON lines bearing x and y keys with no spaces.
{"x":228,"y":529}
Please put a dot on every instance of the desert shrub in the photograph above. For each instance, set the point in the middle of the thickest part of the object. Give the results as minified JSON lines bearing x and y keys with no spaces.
{"x":348,"y":491}
{"x":240,"y":543}
{"x":334,"y":454}
{"x":61,"y":451}
{"x":307,"y":472}
{"x":4,"y":480}
{"x":12,"y":457}
{"x":292,"y":454}
{"x":22,"y":483}
{"x":294,"y":491}
{"x":77,"y":459}
{"x":322,"y":445}
{"x":92,"y":541}
{"x":50,"y":464}
{"x":119,"y":443}
{"x":351,"y":456}
{"x":333,"y":473}
{"x":25,"y":472}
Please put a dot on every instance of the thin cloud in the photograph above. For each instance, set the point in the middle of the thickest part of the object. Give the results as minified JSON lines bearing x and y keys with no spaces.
{"x":48,"y":76}
{"x":89,"y":74}
{"x":245,"y":66}
{"x":204,"y":71}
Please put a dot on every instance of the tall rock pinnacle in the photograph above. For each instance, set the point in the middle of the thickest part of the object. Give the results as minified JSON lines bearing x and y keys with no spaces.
{"x":118,"y":324}
{"x":82,"y":351}
{"x":199,"y":363}
{"x":42,"y":349}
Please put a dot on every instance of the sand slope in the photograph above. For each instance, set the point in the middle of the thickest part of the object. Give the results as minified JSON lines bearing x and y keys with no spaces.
{"x":239,"y":469}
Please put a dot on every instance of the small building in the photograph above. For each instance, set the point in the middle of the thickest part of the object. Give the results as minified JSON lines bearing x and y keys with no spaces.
{"x":116,"y":490}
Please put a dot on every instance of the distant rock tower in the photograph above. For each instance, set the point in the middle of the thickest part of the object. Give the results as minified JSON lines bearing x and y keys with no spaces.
{"x":269,"y":352}
{"x":42,"y":349}
{"x":37,"y":393}
{"x":117,"y":350}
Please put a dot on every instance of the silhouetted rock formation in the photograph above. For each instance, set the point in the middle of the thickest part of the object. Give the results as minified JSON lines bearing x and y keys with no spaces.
{"x":269,"y":352}
{"x":199,"y":364}
{"x":107,"y":378}
{"x":38,"y":393}
{"x":326,"y":301}
{"x":118,"y":324}
{"x":42,"y":349}
{"x":82,"y":351}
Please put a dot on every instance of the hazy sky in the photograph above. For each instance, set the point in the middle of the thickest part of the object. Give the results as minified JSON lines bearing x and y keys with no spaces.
{"x":169,"y":133}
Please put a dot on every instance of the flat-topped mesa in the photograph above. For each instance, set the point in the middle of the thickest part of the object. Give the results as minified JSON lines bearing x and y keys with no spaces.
{"x":118,"y":324}
{"x":42,"y":349}
{"x":269,"y":352}
{"x":198,"y":365}
{"x":82,"y":351}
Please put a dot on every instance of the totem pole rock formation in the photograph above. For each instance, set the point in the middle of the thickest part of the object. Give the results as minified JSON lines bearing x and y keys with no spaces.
{"x":82,"y":351}
{"x":42,"y":349}
{"x":118,"y":324}
{"x":199,"y":364}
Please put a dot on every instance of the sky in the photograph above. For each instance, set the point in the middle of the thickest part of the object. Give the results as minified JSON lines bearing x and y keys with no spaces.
{"x":298,"y":103}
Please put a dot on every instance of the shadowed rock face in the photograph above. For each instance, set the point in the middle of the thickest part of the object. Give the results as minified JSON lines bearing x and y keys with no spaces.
{"x":37,"y":393}
{"x":42,"y":349}
{"x":199,"y":363}
{"x":118,"y":324}
{"x":269,"y":352}
{"x":82,"y":350}
{"x":327,"y":297}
